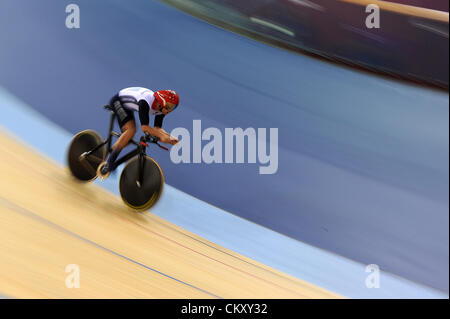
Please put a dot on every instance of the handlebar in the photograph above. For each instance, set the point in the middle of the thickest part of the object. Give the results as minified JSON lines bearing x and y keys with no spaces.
{"x":154,"y":139}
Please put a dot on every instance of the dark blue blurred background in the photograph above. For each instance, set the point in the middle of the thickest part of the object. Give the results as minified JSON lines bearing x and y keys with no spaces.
{"x":411,"y":46}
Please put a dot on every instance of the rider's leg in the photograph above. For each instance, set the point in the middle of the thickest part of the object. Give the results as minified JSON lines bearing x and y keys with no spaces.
{"x":127,"y":125}
{"x":126,"y":121}
{"x":128,"y":132}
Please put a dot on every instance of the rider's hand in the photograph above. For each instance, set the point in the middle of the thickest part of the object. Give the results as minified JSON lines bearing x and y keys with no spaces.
{"x":164,"y":137}
{"x":169,"y":139}
{"x":173,"y":140}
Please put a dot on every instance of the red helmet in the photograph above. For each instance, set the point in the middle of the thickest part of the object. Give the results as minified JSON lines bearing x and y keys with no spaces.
{"x":164,"y":96}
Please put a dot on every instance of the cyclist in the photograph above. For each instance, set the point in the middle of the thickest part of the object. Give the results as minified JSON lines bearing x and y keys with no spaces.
{"x":146,"y":103}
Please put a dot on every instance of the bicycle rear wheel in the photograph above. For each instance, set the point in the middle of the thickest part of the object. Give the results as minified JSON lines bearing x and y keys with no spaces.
{"x":84,"y":168}
{"x":148,"y":194}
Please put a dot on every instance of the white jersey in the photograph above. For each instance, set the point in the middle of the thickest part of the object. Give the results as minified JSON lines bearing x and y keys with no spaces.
{"x":131,"y":96}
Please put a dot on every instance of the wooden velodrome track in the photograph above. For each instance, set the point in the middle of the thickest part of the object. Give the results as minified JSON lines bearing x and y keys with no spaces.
{"x":48,"y":221}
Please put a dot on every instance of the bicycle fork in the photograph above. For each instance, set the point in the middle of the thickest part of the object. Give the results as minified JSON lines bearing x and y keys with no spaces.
{"x":140,"y":175}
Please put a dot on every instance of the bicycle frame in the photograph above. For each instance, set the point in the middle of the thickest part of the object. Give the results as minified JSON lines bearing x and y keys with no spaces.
{"x":139,"y":151}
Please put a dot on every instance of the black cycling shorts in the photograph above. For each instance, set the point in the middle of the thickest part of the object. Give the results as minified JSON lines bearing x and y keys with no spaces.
{"x":123,"y":115}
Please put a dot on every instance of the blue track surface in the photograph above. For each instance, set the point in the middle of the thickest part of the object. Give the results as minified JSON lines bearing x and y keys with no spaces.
{"x":363,"y":161}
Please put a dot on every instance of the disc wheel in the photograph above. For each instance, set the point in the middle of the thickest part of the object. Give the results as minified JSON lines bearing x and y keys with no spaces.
{"x":84,"y":168}
{"x":144,"y":196}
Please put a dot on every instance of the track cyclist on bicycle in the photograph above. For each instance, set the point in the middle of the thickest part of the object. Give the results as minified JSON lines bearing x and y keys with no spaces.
{"x":146,"y":103}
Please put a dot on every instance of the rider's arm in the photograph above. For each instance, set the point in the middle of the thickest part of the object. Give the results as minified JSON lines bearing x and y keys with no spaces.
{"x":157,"y":130}
{"x":144,"y":110}
{"x":158,"y":120}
